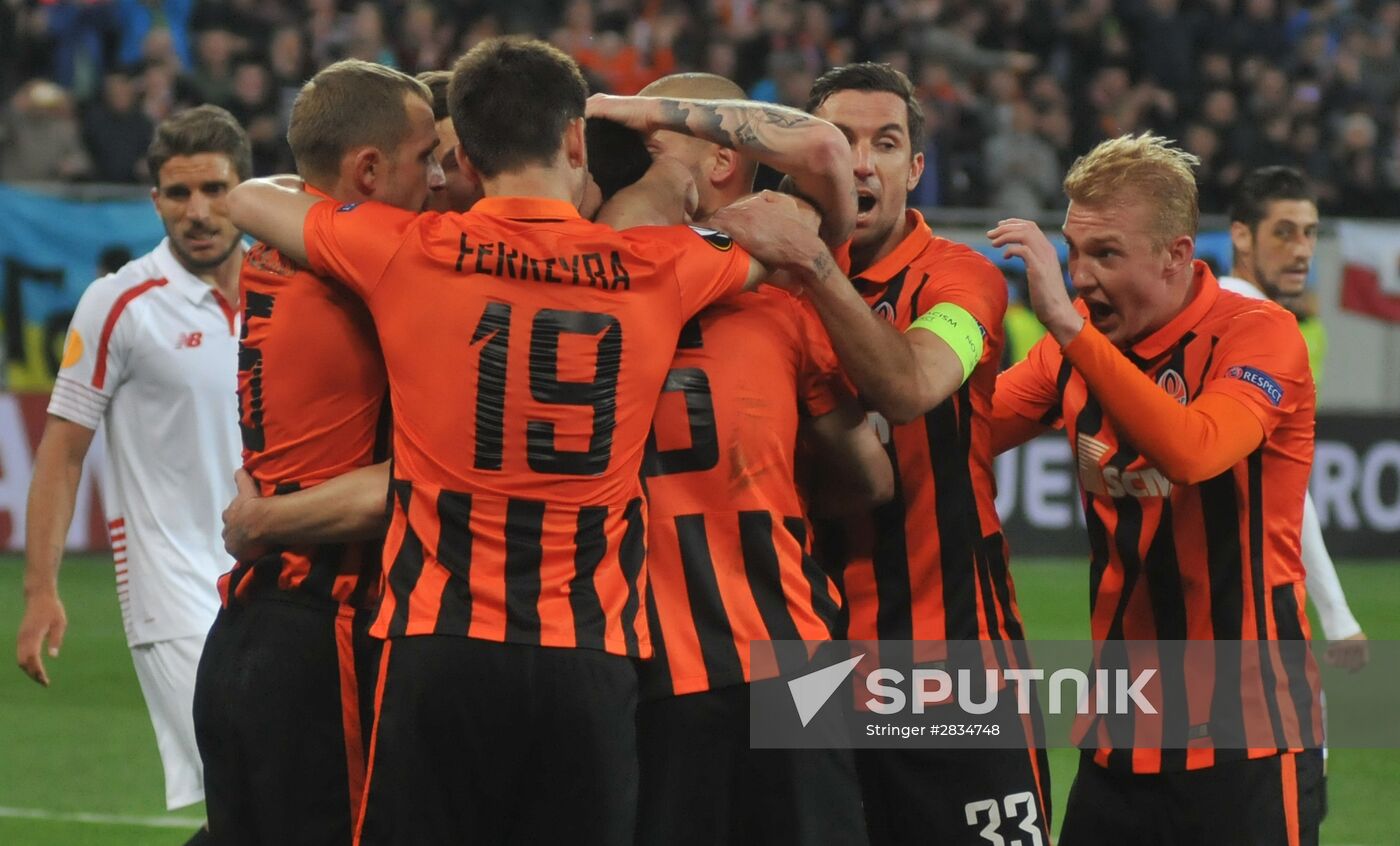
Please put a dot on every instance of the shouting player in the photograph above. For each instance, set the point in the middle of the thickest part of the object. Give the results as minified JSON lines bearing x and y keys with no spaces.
{"x":151,"y":353}
{"x":917,"y":328}
{"x":728,"y":555}
{"x":1191,"y":414}
{"x":460,"y":190}
{"x":283,"y":749}
{"x":526,"y":349}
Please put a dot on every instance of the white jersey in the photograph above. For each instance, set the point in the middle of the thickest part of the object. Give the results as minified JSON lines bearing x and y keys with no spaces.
{"x":1241,"y":287}
{"x":152,"y":354}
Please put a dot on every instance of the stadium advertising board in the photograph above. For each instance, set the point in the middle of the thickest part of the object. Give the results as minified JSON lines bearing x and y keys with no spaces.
{"x":1355,"y":485}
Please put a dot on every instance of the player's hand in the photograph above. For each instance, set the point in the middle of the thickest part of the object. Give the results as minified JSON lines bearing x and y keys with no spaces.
{"x":778,"y":230}
{"x":1351,"y":654}
{"x":1045,"y":280}
{"x":632,"y":112}
{"x":241,"y":538}
{"x":44,"y":620}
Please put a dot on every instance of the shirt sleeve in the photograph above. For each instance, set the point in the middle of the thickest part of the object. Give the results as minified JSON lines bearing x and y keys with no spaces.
{"x":95,"y":352}
{"x":972,"y":282}
{"x":708,"y":264}
{"x":1263,"y":362}
{"x":354,"y":242}
{"x":1029,"y":389}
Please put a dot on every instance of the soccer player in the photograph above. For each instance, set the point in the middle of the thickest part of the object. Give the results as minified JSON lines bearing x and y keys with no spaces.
{"x":283,"y":748}
{"x":460,"y":190}
{"x":728,"y":554}
{"x":526,"y":349}
{"x":1191,"y":414}
{"x":1273,"y":230}
{"x":152,"y":353}
{"x":917,"y":328}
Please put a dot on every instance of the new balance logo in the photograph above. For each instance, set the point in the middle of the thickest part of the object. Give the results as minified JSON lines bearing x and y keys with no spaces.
{"x":189,"y":340}
{"x":1110,"y":481}
{"x":811,"y":692}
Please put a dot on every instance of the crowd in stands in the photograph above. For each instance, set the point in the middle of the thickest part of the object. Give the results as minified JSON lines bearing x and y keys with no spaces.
{"x":1013,"y":89}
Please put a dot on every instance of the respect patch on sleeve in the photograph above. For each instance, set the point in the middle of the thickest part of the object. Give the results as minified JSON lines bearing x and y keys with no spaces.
{"x":1258,"y":379}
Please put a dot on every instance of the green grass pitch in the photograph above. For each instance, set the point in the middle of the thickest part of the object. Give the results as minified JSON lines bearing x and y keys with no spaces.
{"x":78,"y":762}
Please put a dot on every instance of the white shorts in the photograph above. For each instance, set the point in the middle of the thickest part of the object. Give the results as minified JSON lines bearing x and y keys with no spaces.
{"x":166,"y":670}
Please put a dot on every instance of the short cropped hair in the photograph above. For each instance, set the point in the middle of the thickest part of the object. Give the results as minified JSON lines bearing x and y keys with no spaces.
{"x":349,"y":104}
{"x":617,"y":156}
{"x":203,"y":129}
{"x":511,"y":100}
{"x":873,"y":76}
{"x":1146,"y":166}
{"x":1264,"y":185}
{"x":437,"y":81}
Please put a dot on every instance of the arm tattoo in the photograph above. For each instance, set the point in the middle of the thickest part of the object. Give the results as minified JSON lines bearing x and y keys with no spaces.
{"x":754,"y":124}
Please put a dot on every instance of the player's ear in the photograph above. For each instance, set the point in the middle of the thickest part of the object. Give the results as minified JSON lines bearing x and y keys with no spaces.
{"x":724,"y":165}
{"x":916,"y":171}
{"x":1180,"y":252}
{"x":1241,"y":238}
{"x":574,"y":145}
{"x":366,"y":169}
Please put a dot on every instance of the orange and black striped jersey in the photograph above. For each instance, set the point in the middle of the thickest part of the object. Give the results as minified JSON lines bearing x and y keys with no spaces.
{"x":311,"y":391}
{"x":1216,"y":560}
{"x":728,"y":558}
{"x":526,"y":349}
{"x":931,"y":564}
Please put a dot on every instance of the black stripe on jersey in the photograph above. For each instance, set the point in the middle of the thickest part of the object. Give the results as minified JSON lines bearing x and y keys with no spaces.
{"x":632,"y":554}
{"x":590,"y":545}
{"x":1255,"y":468}
{"x":825,"y":607}
{"x":916,"y":309}
{"x":1056,"y":412}
{"x":1224,"y":559}
{"x":994,"y":548}
{"x":890,"y":561}
{"x":323,"y":566}
{"x":955,"y":508}
{"x":1205,"y":370}
{"x":764,"y":576}
{"x":1089,"y":421}
{"x":1286,"y":620}
{"x":454,"y":552}
{"x":524,"y":526}
{"x":408,"y":561}
{"x":712,"y":626}
{"x":1169,"y":614}
{"x":830,"y":545}
{"x":654,"y":676}
{"x":371,"y":554}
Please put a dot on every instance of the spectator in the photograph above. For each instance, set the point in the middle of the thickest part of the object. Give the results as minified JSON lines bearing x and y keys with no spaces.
{"x":116,"y":131}
{"x":39,"y":136}
{"x":1021,"y":168}
{"x":213,"y":75}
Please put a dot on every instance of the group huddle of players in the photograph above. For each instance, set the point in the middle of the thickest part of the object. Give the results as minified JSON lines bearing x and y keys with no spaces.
{"x":608,"y":391}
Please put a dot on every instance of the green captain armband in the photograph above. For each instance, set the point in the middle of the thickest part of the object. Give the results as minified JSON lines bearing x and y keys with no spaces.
{"x":958,"y":328}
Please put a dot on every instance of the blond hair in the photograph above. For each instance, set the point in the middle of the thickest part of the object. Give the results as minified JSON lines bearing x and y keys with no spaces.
{"x":1140,"y":166}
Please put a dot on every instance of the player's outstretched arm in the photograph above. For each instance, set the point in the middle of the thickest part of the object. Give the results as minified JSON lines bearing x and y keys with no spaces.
{"x":273,"y":210}
{"x":349,"y":507}
{"x":900,"y":376}
{"x":664,"y":196}
{"x":810,"y":150}
{"x":856,"y":474}
{"x":53,"y":490}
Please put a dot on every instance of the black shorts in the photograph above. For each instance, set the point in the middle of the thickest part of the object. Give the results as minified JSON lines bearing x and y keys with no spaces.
{"x":281,"y":722}
{"x":491,"y":743}
{"x":958,"y":797}
{"x":1274,"y":801}
{"x":701,"y":784}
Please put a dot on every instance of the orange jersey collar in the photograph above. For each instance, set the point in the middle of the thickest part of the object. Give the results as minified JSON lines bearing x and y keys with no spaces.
{"x":903,"y":254}
{"x":527,"y":208}
{"x":1207,"y":291}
